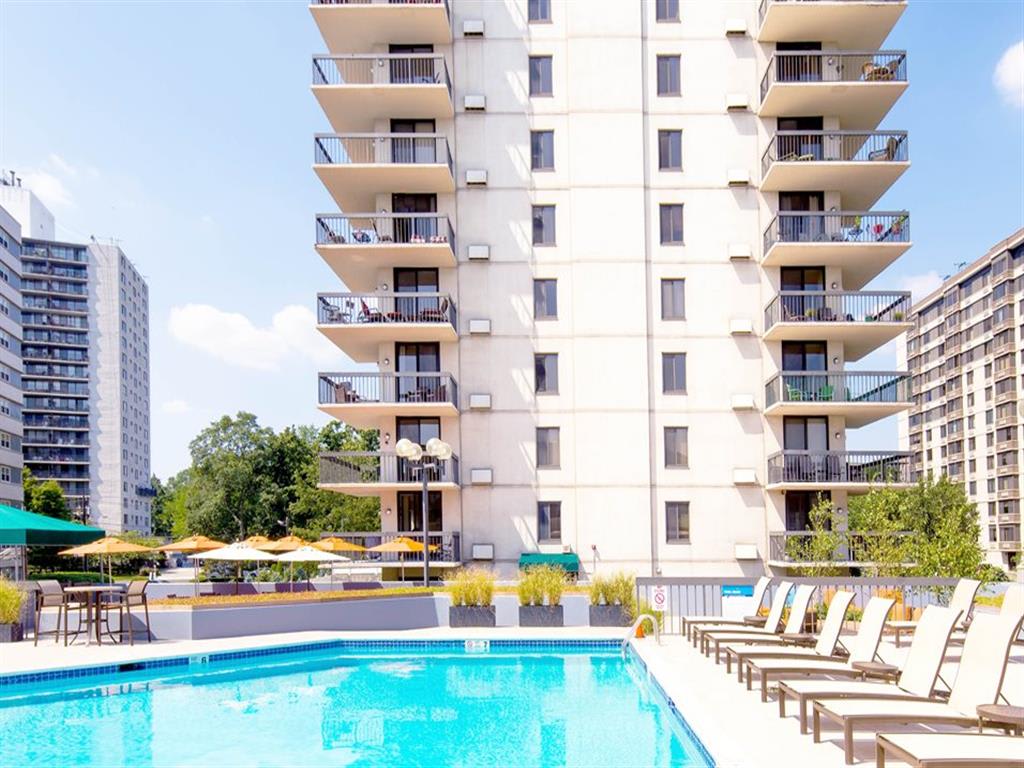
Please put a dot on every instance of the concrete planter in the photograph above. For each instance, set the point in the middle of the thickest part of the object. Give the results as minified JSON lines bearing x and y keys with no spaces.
{"x":609,"y":616}
{"x":11,"y":633}
{"x":472,"y":616}
{"x":541,"y":616}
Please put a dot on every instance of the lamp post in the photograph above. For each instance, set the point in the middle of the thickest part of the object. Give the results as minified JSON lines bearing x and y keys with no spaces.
{"x":423,"y":461}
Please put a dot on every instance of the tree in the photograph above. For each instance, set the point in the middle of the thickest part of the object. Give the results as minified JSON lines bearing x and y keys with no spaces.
{"x":44,"y":497}
{"x":820,"y":549}
{"x":880,"y":536}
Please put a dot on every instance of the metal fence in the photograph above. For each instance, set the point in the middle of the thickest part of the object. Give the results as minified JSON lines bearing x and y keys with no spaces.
{"x":382,"y":69}
{"x":354,"y":388}
{"x":836,"y":147}
{"x":359,"y":467}
{"x":837,"y":387}
{"x":384,"y":229}
{"x":365,"y":308}
{"x":834,"y":67}
{"x":445,"y":547}
{"x":839,"y":467}
{"x":382,"y":149}
{"x":838,"y":227}
{"x":851,"y":547}
{"x":838,"y":307}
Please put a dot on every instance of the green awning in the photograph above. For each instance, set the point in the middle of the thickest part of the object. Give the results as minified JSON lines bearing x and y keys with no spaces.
{"x":19,"y":528}
{"x":568,"y":561}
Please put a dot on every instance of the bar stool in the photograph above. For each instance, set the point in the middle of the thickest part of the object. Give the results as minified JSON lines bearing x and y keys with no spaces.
{"x":52,"y":595}
{"x":133,"y":597}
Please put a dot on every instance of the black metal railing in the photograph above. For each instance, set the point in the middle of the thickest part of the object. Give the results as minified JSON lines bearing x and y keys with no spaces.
{"x":445,"y":546}
{"x":839,"y":467}
{"x":838,"y":227}
{"x":836,"y":147}
{"x":366,"y":308}
{"x":852,"y":546}
{"x":382,"y":149}
{"x":837,"y":387}
{"x":375,"y":467}
{"x":384,"y":229}
{"x":834,"y":67}
{"x":382,"y":69}
{"x":346,"y":388}
{"x":838,"y":307}
{"x":762,"y":9}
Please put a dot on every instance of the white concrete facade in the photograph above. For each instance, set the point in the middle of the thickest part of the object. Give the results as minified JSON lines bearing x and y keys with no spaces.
{"x":11,"y":398}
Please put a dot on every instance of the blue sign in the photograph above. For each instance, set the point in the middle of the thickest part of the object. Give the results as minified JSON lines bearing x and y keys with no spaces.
{"x":737,"y":591}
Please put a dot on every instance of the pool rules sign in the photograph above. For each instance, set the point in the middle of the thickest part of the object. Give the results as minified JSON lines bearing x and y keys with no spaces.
{"x":659,"y":597}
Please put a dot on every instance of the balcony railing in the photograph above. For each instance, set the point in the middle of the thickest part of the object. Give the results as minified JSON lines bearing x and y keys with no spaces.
{"x":384,"y":229}
{"x":853,"y":547}
{"x":445,"y":547}
{"x":361,"y":388}
{"x":837,"y":387}
{"x":834,"y":67}
{"x":838,"y":227}
{"x":836,"y":147}
{"x":381,"y":69}
{"x":376,"y":467}
{"x":376,"y":308}
{"x":838,"y":307}
{"x":382,"y":2}
{"x":382,"y":149}
{"x":839,"y":467}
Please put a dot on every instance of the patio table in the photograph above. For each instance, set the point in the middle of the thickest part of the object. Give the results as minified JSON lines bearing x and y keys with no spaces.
{"x":92,"y":597}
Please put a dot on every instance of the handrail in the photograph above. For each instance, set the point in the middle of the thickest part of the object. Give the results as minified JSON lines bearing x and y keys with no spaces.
{"x":633,"y":627}
{"x":833,"y":66}
{"x":836,"y":147}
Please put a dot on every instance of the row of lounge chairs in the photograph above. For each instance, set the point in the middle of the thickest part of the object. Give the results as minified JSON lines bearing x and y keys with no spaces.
{"x":827,"y":675}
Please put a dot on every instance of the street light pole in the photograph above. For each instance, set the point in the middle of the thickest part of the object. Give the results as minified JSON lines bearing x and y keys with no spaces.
{"x":438,"y":451}
{"x":426,"y":521}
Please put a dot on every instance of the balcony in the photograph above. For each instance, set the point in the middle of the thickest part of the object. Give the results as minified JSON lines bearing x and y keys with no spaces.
{"x":358,"y":25}
{"x":861,"y":397}
{"x":359,"y":322}
{"x":847,"y":23}
{"x":357,"y":168}
{"x":861,"y":320}
{"x":1009,"y":546}
{"x":860,"y":165}
{"x":790,"y":548}
{"x":1005,"y":518}
{"x":368,"y":473}
{"x":445,"y":549}
{"x":862,"y":243}
{"x":355,"y":91}
{"x":362,"y":399}
{"x":857,"y":87}
{"x":853,"y":471}
{"x":356,"y":246}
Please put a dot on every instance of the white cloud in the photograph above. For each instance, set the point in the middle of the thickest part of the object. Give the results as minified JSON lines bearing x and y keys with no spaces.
{"x":232,"y":338}
{"x":1009,"y":75}
{"x":921,"y":285}
{"x":50,"y":189}
{"x":60,"y":164}
{"x":175,"y":407}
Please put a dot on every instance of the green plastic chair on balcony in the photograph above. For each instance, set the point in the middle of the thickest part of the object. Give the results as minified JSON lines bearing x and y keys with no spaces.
{"x":793,"y":394}
{"x":826,"y":393}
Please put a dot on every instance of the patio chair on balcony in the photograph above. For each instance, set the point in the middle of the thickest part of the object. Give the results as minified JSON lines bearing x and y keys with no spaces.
{"x":435,"y":314}
{"x":794,"y":394}
{"x":331,"y":313}
{"x":826,"y":393}
{"x":892,"y":147}
{"x":368,"y":315}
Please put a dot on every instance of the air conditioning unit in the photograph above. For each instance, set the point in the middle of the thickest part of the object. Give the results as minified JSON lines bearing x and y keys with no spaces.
{"x":743,"y":402}
{"x":479,"y":326}
{"x":741,"y":326}
{"x":735,"y":28}
{"x":744,"y":476}
{"x":745,"y":552}
{"x":740,"y":252}
{"x":483,"y":552}
{"x":739,"y":177}
{"x":737,"y":102}
{"x":474,"y":102}
{"x":479,"y":402}
{"x":476,"y":178}
{"x":473,"y":28}
{"x":481,"y":476}
{"x":566,"y":549}
{"x":478,"y":252}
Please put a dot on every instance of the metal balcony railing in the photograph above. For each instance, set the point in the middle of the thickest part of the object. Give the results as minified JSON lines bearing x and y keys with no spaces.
{"x":382,"y":149}
{"x":763,"y":7}
{"x":853,"y":547}
{"x":375,"y":467}
{"x":836,"y":147}
{"x":375,"y":308}
{"x":354,"y":388}
{"x":381,"y":69}
{"x":837,"y":307}
{"x":838,"y":227}
{"x":839,"y":467}
{"x":834,"y":67}
{"x":837,"y":387}
{"x":384,"y":229}
{"x":445,"y":546}
{"x":385,"y":2}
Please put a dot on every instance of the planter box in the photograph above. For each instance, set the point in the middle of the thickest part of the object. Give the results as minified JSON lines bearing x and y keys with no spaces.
{"x":11,"y":633}
{"x":541,"y":616}
{"x":472,"y":616}
{"x":609,"y":616}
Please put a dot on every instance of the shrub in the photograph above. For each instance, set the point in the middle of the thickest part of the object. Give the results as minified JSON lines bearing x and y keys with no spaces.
{"x":645,"y":607}
{"x":616,"y":589}
{"x":472,"y":586}
{"x":528,"y":589}
{"x":539,"y":583}
{"x":12,"y":597}
{"x":598,"y":589}
{"x":69,"y":577}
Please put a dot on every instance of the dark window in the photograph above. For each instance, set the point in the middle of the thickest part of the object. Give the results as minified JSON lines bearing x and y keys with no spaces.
{"x":671,"y":224}
{"x":676,"y":452}
{"x":668,"y":76}
{"x":673,"y":299}
{"x":666,"y":10}
{"x":542,"y":150}
{"x":539,"y":10}
{"x":543,"y":225}
{"x":540,"y":76}
{"x":673,"y":372}
{"x":545,"y":299}
{"x":549,"y":520}
{"x":545,"y":369}
{"x":670,"y":150}
{"x":547,"y":448}
{"x":419,"y":430}
{"x":410,"y":510}
{"x":677,"y":521}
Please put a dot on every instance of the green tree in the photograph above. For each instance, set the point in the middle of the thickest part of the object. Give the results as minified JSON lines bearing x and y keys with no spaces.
{"x":821,"y":548}
{"x":44,"y":497}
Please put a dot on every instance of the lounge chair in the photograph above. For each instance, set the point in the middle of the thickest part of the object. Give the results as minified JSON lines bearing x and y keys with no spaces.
{"x":962,"y":600}
{"x":778,"y":605}
{"x":978,"y":681}
{"x":1013,"y":605}
{"x":938,"y":750}
{"x":794,"y":626}
{"x":918,"y":678}
{"x":687,"y":622}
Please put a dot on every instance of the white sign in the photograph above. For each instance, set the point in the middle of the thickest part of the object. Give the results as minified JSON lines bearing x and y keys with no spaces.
{"x":659,"y":597}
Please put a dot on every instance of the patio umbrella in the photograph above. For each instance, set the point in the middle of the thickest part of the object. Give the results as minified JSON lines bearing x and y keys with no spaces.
{"x":235,"y":553}
{"x":255,"y":541}
{"x":191,"y":545}
{"x":310,"y":555}
{"x":287,"y":544}
{"x":336,"y":544}
{"x":401,"y":545}
{"x":107,"y":547}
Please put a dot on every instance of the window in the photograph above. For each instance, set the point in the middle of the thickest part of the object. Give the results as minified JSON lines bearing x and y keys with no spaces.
{"x":666,"y":10}
{"x":545,"y":368}
{"x":671,"y":224}
{"x":539,"y":10}
{"x":548,"y":448}
{"x":5,"y":474}
{"x":673,"y":373}
{"x":677,"y":522}
{"x":676,"y":454}
{"x":668,"y":76}
{"x":542,"y":150}
{"x":549,"y":521}
{"x":540,"y":76}
{"x":543,"y":225}
{"x":673,"y":303}
{"x":545,"y":299}
{"x":670,"y":150}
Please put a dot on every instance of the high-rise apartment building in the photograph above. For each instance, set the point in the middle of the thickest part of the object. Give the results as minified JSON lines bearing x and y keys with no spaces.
{"x":615,"y":254}
{"x":11,"y":399}
{"x":965,"y":353}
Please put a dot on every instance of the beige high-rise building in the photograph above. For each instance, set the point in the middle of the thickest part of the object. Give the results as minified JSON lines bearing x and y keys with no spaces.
{"x":615,"y":253}
{"x":964,"y":354}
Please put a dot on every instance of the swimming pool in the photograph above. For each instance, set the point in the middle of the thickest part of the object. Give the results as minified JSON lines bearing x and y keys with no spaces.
{"x":354,"y":703}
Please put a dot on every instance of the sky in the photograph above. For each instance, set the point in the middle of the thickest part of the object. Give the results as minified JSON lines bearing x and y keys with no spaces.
{"x":183,"y":131}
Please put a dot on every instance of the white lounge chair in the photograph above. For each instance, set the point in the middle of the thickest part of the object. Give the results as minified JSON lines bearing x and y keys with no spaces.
{"x":760,"y":589}
{"x":794,"y":625}
{"x":1013,"y":605}
{"x":962,"y":600}
{"x":770,"y":626}
{"x":938,"y":750}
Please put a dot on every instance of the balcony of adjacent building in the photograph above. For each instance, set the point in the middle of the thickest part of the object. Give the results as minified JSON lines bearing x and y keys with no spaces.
{"x":357,"y":90}
{"x":359,"y":25}
{"x":357,"y":245}
{"x":860,"y":165}
{"x":359,"y":322}
{"x":861,"y":320}
{"x":847,"y":23}
{"x":852,"y":471}
{"x":362,"y":399}
{"x":854,"y":549}
{"x":356,"y":168}
{"x":369,"y":473}
{"x":860,"y":396}
{"x":856,"y":87}
{"x":861,"y":243}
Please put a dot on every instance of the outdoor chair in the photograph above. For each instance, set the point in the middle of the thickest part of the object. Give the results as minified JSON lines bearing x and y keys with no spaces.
{"x":962,"y":600}
{"x":688,"y":623}
{"x":771,"y":626}
{"x":924,"y":750}
{"x":794,"y":626}
{"x":52,"y":595}
{"x":1013,"y":605}
{"x":368,"y":315}
{"x":132,"y":598}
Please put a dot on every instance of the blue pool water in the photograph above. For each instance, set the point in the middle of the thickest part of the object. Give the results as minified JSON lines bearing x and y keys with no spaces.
{"x":530,"y":706}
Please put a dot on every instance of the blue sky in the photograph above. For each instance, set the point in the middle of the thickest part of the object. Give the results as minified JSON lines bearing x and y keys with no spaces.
{"x":183,"y":131}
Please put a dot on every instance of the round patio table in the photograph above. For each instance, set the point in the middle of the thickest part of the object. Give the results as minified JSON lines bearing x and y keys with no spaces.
{"x":92,"y":597}
{"x":1002,"y":716}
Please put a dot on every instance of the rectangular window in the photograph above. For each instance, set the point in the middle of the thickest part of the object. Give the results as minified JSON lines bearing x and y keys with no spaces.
{"x":545,"y":299}
{"x":676,"y":453}
{"x":666,"y":10}
{"x":673,"y":303}
{"x":548,"y":451}
{"x":668,"y":76}
{"x":671,"y":224}
{"x":542,"y":150}
{"x":549,"y":521}
{"x":543,"y":225}
{"x":673,"y":373}
{"x":677,"y":522}
{"x":540,"y":76}
{"x":545,"y":368}
{"x":539,"y":10}
{"x":670,"y":150}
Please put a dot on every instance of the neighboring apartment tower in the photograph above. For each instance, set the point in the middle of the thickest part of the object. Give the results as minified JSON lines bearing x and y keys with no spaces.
{"x":614,"y":253}
{"x":965,"y":354}
{"x":11,"y":399}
